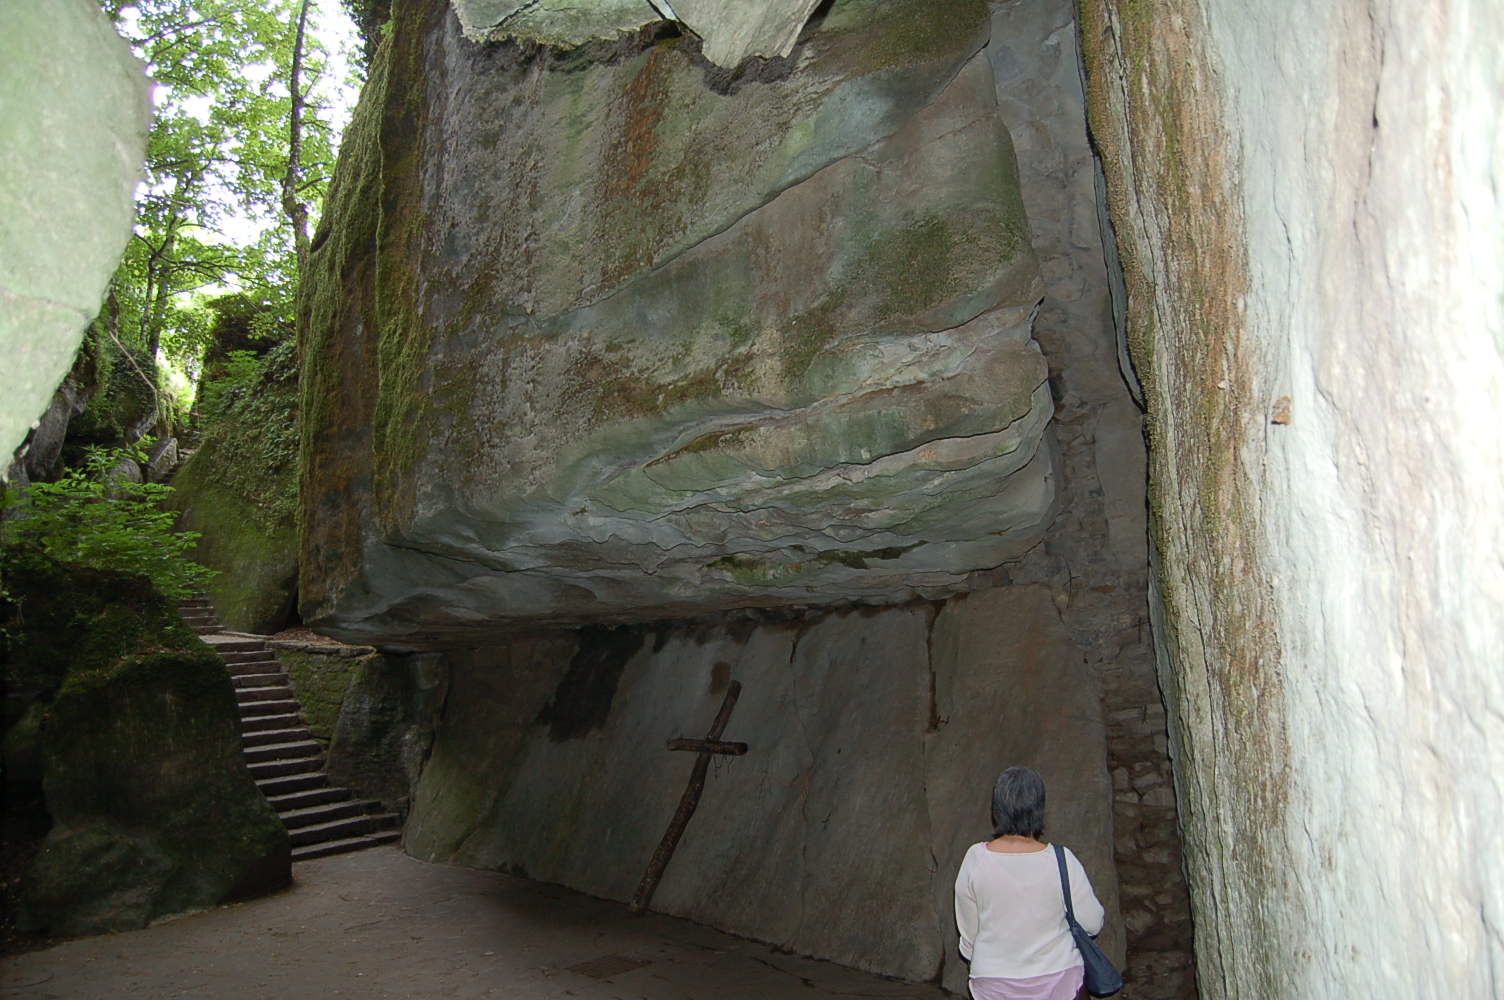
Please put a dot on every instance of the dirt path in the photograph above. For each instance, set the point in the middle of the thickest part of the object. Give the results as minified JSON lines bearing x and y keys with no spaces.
{"x":378,"y":925}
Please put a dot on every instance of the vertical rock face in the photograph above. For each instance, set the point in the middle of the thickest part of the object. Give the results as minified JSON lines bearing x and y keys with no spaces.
{"x":611,"y":340}
{"x":1308,"y":196}
{"x":1096,"y":549}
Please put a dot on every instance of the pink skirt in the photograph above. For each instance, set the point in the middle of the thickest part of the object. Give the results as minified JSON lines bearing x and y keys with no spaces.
{"x":1062,"y":985}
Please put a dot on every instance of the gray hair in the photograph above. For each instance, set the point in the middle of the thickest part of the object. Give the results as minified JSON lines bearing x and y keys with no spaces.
{"x":1018,"y":803}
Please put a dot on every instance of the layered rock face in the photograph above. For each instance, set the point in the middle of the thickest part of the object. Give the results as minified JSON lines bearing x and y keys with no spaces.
{"x":1307,"y":196}
{"x":620,"y":339}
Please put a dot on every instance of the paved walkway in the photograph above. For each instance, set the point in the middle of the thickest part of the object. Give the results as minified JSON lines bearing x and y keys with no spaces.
{"x":378,"y":925}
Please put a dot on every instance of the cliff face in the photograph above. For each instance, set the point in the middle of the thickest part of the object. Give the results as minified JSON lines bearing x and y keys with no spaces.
{"x":627,"y":375}
{"x":614,"y":335}
{"x":1307,"y":200}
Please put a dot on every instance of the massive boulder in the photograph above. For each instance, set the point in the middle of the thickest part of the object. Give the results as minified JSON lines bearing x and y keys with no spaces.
{"x":130,"y":723}
{"x":610,"y":336}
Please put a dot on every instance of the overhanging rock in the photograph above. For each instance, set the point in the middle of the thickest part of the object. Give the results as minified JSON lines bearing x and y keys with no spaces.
{"x":635,"y":348}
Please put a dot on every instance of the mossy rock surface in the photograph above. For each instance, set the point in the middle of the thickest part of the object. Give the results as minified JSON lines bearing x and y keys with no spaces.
{"x":60,"y":618}
{"x":239,"y":491}
{"x":386,"y":726}
{"x":150,"y":797}
{"x":320,"y":683}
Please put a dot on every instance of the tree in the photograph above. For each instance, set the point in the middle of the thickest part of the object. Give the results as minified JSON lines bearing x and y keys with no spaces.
{"x":236,"y":142}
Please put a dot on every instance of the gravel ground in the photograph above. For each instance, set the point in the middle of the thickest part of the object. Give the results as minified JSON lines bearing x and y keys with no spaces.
{"x":380,"y":926}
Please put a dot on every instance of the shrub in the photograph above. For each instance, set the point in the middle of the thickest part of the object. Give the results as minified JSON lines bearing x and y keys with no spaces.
{"x":97,"y":518}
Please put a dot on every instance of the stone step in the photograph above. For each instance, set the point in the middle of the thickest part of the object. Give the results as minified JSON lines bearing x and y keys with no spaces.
{"x":268,"y":692}
{"x":260,"y":709}
{"x":277,"y":679}
{"x":283,"y":751}
{"x":236,"y":656}
{"x":266,"y":665}
{"x":290,"y":801}
{"x":287,"y":784}
{"x":238,"y":646}
{"x":269,"y":737}
{"x":329,"y":847}
{"x":284,"y":768}
{"x":206,"y":629}
{"x":339,"y":829}
{"x":327,"y":812}
{"x":269,"y":723}
{"x":199,"y":619}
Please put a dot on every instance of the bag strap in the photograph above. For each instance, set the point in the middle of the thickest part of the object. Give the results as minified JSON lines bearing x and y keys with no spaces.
{"x":1065,"y":885}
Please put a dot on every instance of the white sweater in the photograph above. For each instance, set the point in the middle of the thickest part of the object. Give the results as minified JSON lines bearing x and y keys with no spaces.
{"x":1011,"y":914}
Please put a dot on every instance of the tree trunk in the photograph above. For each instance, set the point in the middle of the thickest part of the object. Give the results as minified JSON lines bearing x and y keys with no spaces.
{"x":297,"y":212}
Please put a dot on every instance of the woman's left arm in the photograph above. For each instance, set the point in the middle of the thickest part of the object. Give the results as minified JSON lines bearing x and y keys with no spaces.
{"x":1089,"y":911}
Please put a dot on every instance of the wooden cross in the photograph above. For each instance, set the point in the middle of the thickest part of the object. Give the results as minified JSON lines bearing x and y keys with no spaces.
{"x":711,"y":744}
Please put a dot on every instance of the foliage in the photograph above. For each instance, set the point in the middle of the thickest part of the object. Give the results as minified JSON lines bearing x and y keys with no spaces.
{"x":242,"y":371}
{"x":97,"y":517}
{"x":209,"y":213}
{"x":252,"y":414}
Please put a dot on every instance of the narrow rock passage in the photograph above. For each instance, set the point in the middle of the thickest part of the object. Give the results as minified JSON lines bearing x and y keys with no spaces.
{"x":376,"y":924}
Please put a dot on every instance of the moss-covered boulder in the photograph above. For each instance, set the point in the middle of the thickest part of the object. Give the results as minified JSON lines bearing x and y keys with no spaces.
{"x":610,"y":335}
{"x":134,"y":723}
{"x":239,"y":491}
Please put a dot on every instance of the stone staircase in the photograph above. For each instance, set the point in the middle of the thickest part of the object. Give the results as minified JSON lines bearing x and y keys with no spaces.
{"x":285,"y":760}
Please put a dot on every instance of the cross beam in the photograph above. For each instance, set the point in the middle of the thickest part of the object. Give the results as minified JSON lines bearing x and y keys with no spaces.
{"x":711,"y":744}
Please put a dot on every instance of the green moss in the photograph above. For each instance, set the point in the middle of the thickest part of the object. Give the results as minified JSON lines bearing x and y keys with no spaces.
{"x":58,"y":617}
{"x":320,"y":683}
{"x":805,"y":335}
{"x":145,"y":754}
{"x":759,"y":571}
{"x":239,"y":491}
{"x":366,"y":409}
{"x":896,"y":34}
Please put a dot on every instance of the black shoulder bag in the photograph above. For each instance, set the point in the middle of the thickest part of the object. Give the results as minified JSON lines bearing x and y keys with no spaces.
{"x":1102,"y":978}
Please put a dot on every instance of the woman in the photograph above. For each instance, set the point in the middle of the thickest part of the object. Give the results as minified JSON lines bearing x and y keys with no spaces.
{"x":1009,"y":907}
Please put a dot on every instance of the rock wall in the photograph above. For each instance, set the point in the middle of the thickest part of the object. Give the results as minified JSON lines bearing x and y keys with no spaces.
{"x":239,"y":491}
{"x":608,"y":336}
{"x":1307,"y":199}
{"x":612,"y":338}
{"x":1094,"y":556}
{"x":874,"y":739}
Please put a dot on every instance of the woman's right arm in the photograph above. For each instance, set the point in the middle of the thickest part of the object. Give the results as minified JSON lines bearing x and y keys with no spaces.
{"x":966,"y":908}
